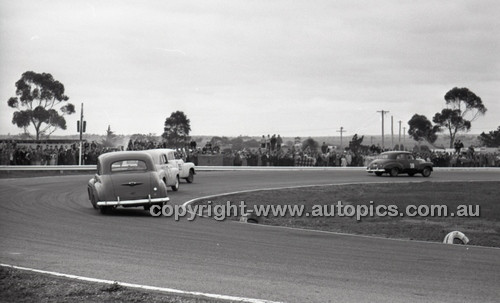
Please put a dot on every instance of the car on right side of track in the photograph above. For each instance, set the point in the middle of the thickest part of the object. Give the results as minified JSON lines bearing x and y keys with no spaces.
{"x":399,"y":162}
{"x":169,"y":169}
{"x":186,"y":169}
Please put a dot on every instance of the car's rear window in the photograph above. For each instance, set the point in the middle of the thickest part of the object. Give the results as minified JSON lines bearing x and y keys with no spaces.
{"x":128,"y":166}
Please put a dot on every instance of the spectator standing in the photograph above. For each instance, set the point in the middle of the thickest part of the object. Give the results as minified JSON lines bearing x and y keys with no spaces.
{"x":37,"y":156}
{"x":192,"y":145}
{"x":279,"y":142}
{"x":324,"y":148}
{"x":348,"y":158}
{"x":264,"y":158}
{"x":69,"y":157}
{"x":237,"y":159}
{"x":263,"y":142}
{"x":458,"y":146}
{"x":273,"y":142}
{"x":343,"y":161}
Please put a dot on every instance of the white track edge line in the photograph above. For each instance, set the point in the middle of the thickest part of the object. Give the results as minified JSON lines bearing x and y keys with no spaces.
{"x":144,"y":287}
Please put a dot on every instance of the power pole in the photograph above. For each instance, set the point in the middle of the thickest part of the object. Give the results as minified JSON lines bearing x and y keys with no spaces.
{"x":399,"y":139}
{"x":392,"y":132}
{"x":404,"y":136}
{"x":341,"y":131}
{"x":81,"y":136}
{"x":80,"y":127}
{"x":383,"y":112}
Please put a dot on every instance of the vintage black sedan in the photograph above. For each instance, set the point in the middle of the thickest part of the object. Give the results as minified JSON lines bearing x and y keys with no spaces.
{"x":399,"y":162}
{"x":126,"y":179}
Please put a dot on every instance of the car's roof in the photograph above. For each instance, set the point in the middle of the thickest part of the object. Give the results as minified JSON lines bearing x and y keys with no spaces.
{"x":392,"y":152}
{"x":108,"y":158}
{"x":157,"y":151}
{"x":124,"y":155}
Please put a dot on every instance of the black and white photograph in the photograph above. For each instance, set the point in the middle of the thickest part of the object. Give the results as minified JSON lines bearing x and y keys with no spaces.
{"x":249,"y":151}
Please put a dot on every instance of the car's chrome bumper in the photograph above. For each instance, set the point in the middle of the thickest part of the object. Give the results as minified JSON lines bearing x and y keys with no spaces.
{"x":375,"y":170}
{"x":133,"y":202}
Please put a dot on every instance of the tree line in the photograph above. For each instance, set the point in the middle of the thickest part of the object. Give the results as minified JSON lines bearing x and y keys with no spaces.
{"x":41,"y":103}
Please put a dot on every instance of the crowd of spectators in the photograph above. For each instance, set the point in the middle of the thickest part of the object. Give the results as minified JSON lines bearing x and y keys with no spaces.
{"x":271,"y":152}
{"x":461,"y":158}
{"x":145,"y":144}
{"x":295,"y":157}
{"x":12,"y":153}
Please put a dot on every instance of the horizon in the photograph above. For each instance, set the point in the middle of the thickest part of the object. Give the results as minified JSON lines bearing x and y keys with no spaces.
{"x":239,"y":67}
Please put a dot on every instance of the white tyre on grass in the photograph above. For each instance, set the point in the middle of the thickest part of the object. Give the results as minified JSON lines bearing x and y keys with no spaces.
{"x":450,"y":237}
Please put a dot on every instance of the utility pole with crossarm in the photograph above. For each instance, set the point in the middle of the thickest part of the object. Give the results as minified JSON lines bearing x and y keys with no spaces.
{"x":341,"y":131}
{"x":383,"y":112}
{"x":81,"y":127}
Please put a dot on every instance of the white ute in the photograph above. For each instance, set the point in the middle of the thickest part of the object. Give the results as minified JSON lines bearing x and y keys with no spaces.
{"x":169,"y":171}
{"x":165,"y":158}
{"x":186,"y":169}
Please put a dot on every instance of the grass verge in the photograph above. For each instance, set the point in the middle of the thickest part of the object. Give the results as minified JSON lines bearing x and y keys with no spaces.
{"x":483,"y":229}
{"x":23,"y":286}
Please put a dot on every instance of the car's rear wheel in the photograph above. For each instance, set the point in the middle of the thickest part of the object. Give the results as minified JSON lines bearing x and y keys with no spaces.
{"x":394,"y":172}
{"x":176,"y":186}
{"x":160,"y":211}
{"x":105,"y":209}
{"x":190,"y":178}
{"x":426,"y":172}
{"x":378,"y":173}
{"x":93,"y":200}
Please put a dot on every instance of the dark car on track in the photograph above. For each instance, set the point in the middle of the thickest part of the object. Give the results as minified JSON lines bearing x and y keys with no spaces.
{"x":126,"y":179}
{"x":399,"y":162}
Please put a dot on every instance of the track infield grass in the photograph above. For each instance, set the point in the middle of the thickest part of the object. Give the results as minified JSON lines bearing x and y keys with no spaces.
{"x":480,"y":198}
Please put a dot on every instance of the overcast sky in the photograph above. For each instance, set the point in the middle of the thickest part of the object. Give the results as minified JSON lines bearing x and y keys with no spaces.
{"x":253,"y":67}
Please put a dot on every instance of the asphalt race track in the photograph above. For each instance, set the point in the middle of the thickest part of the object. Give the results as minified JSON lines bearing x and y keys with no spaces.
{"x":48,"y":223}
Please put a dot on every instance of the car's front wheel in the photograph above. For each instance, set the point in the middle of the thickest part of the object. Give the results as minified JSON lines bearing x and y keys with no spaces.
{"x":190,"y":178}
{"x":378,"y":173}
{"x":426,"y":172}
{"x":394,"y":172}
{"x":176,"y":186}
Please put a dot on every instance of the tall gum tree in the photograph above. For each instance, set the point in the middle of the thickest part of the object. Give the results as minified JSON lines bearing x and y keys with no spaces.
{"x":36,"y":101}
{"x":462,"y":108}
{"x":422,"y":129}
